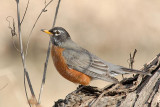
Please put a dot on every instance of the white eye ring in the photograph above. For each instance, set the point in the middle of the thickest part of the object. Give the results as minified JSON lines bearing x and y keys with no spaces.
{"x":57,"y":33}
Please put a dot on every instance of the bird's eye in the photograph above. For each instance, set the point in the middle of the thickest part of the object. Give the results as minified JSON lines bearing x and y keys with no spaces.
{"x":57,"y":32}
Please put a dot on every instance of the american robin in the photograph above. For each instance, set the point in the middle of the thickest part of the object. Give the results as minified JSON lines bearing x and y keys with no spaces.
{"x":77,"y":64}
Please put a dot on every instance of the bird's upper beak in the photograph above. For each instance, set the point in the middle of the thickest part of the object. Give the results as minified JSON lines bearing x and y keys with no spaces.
{"x":46,"y":31}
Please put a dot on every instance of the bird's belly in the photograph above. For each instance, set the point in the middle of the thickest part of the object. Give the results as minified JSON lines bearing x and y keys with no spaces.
{"x":61,"y":66}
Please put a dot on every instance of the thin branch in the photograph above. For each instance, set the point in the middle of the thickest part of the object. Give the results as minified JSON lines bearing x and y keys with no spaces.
{"x":132,"y":59}
{"x":48,"y":54}
{"x":24,"y":81}
{"x":44,"y":73}
{"x":25,"y":11}
{"x":13,"y":42}
{"x":43,"y":10}
{"x":22,"y":54}
{"x":54,"y":22}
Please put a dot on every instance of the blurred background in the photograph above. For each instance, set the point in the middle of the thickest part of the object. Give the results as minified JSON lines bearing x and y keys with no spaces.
{"x":111,"y":29}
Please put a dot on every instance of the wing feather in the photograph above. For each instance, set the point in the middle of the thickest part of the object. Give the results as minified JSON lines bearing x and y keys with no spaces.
{"x":83,"y":61}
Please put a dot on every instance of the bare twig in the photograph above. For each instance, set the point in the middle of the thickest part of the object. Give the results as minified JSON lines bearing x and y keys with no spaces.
{"x":44,"y":73}
{"x":43,"y":10}
{"x":132,"y":59}
{"x":54,"y":22}
{"x":48,"y":54}
{"x":22,"y":55}
{"x":25,"y":11}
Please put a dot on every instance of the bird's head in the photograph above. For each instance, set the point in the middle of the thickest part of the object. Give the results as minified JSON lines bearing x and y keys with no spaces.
{"x":58,"y":35}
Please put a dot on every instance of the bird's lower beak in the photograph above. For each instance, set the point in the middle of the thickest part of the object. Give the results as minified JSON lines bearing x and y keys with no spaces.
{"x":46,"y":31}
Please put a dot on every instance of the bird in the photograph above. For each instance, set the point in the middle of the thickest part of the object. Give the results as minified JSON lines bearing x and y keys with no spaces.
{"x":77,"y":64}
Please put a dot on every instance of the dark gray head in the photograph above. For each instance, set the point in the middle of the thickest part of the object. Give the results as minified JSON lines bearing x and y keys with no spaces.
{"x":58,"y":35}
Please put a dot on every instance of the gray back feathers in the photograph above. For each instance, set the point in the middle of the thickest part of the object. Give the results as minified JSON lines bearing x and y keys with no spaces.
{"x":83,"y":61}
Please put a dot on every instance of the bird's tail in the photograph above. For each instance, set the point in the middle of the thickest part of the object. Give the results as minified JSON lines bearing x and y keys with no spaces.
{"x":128,"y":70}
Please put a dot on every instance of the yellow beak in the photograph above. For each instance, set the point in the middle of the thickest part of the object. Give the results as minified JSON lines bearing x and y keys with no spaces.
{"x":46,"y":31}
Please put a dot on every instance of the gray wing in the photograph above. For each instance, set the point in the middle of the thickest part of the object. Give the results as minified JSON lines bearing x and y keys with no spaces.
{"x":83,"y":61}
{"x":89,"y":64}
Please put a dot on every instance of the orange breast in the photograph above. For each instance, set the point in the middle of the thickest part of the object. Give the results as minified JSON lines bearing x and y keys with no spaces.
{"x":70,"y":74}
